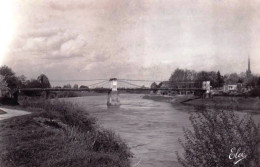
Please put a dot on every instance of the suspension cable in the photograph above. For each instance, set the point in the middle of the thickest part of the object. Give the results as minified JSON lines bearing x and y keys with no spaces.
{"x":82,"y":80}
{"x":103,"y":84}
{"x":130,"y":83}
{"x":139,"y":80}
{"x":97,"y":83}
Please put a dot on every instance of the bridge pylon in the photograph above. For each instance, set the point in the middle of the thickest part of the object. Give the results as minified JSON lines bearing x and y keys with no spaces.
{"x":206,"y":86}
{"x":113,"y":97}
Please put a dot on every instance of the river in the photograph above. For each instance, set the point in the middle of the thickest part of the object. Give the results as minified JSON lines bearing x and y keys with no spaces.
{"x":150,"y":128}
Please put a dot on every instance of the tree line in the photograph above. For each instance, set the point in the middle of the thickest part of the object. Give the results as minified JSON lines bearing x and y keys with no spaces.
{"x":14,"y":82}
{"x":9,"y":79}
{"x":215,"y":77}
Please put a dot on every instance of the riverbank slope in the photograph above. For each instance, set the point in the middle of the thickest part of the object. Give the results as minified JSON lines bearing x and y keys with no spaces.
{"x":59,"y":134}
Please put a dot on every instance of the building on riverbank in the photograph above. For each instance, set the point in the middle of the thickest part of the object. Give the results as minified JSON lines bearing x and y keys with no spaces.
{"x":233,"y":87}
{"x":229,"y":88}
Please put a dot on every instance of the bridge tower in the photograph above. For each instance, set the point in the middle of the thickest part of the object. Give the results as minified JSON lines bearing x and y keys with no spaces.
{"x":113,"y":98}
{"x":206,"y":86}
{"x":113,"y":82}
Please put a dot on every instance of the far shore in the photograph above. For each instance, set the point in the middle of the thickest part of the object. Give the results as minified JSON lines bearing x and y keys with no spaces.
{"x":222,"y":102}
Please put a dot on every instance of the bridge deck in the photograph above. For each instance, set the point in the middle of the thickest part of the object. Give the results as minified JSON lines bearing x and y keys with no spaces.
{"x":93,"y":89}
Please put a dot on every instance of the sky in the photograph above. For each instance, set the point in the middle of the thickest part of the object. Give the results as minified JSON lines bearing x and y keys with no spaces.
{"x":137,"y":39}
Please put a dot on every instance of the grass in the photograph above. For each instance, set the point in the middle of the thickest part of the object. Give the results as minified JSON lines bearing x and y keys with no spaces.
{"x":60,"y":134}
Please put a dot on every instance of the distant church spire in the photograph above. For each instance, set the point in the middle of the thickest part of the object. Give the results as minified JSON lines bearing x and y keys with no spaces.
{"x":248,"y":68}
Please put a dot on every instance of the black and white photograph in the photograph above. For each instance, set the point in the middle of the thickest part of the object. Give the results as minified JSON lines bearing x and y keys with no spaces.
{"x":129,"y":83}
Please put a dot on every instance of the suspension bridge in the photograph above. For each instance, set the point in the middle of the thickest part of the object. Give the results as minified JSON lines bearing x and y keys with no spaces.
{"x":117,"y":84}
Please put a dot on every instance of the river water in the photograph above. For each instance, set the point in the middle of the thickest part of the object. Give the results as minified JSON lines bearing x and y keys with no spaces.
{"x":150,"y":128}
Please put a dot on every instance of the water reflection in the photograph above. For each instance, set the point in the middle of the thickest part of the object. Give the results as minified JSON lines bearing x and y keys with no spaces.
{"x":116,"y":107}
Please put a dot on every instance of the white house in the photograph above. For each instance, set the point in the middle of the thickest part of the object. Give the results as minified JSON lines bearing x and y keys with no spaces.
{"x":230,"y":88}
{"x":238,"y":87}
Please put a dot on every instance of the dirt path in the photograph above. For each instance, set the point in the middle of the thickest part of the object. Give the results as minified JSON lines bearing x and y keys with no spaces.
{"x":12,"y":113}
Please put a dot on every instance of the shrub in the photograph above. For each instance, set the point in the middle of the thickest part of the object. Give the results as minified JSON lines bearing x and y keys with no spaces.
{"x":214,"y":134}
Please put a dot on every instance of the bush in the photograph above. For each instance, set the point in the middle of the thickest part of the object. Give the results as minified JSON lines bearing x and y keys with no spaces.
{"x":214,"y":134}
{"x":255,"y":92}
{"x":8,"y":101}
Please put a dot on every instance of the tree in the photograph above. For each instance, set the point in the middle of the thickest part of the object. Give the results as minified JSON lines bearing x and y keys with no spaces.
{"x":3,"y":86}
{"x":220,"y":80}
{"x":251,"y":81}
{"x":3,"y":83}
{"x":9,"y":77}
{"x":255,"y":82}
{"x":240,"y":80}
{"x":43,"y":79}
{"x":154,"y":86}
{"x":216,"y":134}
{"x":67,"y":86}
{"x":6,"y":71}
{"x":258,"y":82}
{"x":76,"y":86}
{"x":21,"y":81}
{"x":232,"y":78}
{"x":83,"y":87}
{"x":33,"y":83}
{"x":242,"y":76}
{"x":180,"y":75}
{"x":208,"y":76}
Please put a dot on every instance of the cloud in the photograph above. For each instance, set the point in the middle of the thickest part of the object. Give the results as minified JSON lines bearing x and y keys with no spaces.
{"x":67,"y":5}
{"x":133,"y":39}
{"x":73,"y":46}
{"x":42,"y":32}
{"x":52,"y":43}
{"x":34,"y":44}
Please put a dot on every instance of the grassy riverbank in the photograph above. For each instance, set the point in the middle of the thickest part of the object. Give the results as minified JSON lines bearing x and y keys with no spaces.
{"x":224,"y":102}
{"x":59,"y":134}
